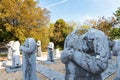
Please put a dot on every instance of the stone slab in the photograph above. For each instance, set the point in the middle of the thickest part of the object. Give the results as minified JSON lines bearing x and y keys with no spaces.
{"x":49,"y":62}
{"x":49,"y":73}
{"x":54,"y":75}
{"x":110,"y":70}
{"x":10,"y":69}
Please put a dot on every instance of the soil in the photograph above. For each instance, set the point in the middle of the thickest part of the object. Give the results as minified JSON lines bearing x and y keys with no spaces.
{"x":57,"y":66}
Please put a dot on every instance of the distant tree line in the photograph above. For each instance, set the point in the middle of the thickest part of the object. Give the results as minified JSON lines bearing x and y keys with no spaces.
{"x":107,"y":25}
{"x":20,"y":19}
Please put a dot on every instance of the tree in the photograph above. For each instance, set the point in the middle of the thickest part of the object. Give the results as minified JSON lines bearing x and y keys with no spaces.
{"x":105,"y":25}
{"x":117,"y":14}
{"x":41,"y":34}
{"x":115,"y":31}
{"x":19,"y":17}
{"x":60,"y":31}
{"x":72,"y":24}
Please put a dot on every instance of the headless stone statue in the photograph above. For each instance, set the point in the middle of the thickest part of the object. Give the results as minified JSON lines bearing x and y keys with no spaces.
{"x":9,"y":46}
{"x":85,"y":54}
{"x":51,"y":52}
{"x":16,"y":54}
{"x":39,"y":48}
{"x":116,"y":49}
{"x":29,"y":64}
{"x":111,"y":43}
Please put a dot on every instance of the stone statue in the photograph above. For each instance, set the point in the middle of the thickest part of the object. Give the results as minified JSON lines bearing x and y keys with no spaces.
{"x":85,"y":54}
{"x":39,"y":48}
{"x":9,"y":45}
{"x":51,"y":52}
{"x":111,"y":43}
{"x":16,"y":54}
{"x":116,"y":50}
{"x":57,"y":53}
{"x":29,"y":59}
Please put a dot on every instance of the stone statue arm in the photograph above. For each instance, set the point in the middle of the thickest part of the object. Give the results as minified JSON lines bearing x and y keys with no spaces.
{"x":8,"y":45}
{"x":26,"y":49}
{"x":89,"y":63}
{"x":66,"y":54}
{"x":93,"y":64}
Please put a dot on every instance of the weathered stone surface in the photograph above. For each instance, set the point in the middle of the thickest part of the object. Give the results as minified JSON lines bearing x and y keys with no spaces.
{"x":110,"y":70}
{"x":9,"y":46}
{"x":10,"y":69}
{"x":39,"y":51}
{"x":85,"y":54}
{"x":29,"y":59}
{"x":16,"y":54}
{"x":49,"y":62}
{"x":116,"y":50}
{"x":51,"y":74}
{"x":57,"y":53}
{"x":51,"y":52}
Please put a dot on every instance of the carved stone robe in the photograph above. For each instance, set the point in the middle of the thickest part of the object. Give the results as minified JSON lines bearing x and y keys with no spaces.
{"x":85,"y":54}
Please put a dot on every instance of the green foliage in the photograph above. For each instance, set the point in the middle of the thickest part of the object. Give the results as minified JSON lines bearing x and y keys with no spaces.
{"x":3,"y":50}
{"x":82,"y":31}
{"x":105,"y":25}
{"x":115,"y":33}
{"x":3,"y":55}
{"x":43,"y":36}
{"x":102,"y":24}
{"x":117,"y":14}
{"x":19,"y":17}
{"x":60,"y":31}
{"x":72,"y":24}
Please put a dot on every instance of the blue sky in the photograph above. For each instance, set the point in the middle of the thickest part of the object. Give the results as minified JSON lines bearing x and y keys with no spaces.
{"x":79,"y":10}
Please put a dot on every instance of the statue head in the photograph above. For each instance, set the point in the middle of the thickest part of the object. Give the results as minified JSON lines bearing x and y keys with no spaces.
{"x":86,"y":42}
{"x":38,"y":43}
{"x":29,"y":45}
{"x":10,"y":44}
{"x":16,"y":45}
{"x":51,"y":45}
{"x":116,"y":46}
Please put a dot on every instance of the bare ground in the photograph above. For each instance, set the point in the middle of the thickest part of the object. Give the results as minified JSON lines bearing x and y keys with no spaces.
{"x":58,"y":66}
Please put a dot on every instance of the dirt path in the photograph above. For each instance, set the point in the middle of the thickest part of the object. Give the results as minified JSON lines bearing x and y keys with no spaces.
{"x":57,"y":66}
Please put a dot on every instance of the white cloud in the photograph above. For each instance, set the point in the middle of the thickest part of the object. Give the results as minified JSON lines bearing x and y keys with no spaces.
{"x":55,"y":4}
